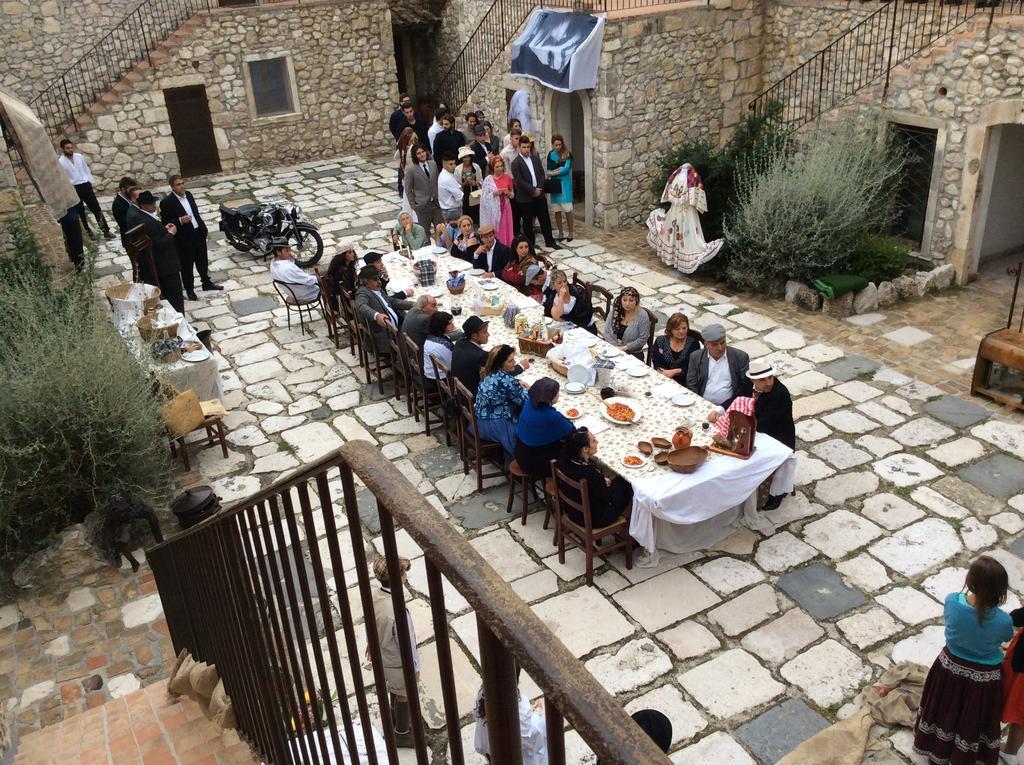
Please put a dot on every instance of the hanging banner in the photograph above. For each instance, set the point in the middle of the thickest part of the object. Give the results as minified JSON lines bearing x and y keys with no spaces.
{"x":560,"y":49}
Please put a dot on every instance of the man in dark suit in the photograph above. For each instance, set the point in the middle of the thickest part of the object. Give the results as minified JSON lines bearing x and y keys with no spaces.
{"x":421,"y":187}
{"x":122,"y":203}
{"x":481,"y":149}
{"x":468,"y":355}
{"x":773,"y":408}
{"x":164,"y":250}
{"x":377,"y":308}
{"x":398,"y":117}
{"x":491,"y":255}
{"x":409,"y":118}
{"x":717,"y":372}
{"x":180,"y":208}
{"x":449,"y":140}
{"x":528,"y":175}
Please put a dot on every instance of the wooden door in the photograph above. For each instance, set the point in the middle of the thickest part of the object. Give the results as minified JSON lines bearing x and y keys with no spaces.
{"x":192,"y":129}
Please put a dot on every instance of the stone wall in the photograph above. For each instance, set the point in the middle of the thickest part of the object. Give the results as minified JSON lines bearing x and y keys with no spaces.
{"x":343,"y":59}
{"x":794,"y":30}
{"x":41,"y":38}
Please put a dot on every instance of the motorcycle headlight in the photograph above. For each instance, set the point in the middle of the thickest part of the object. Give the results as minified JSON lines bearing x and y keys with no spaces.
{"x":296,"y":211}
{"x":267,"y":219}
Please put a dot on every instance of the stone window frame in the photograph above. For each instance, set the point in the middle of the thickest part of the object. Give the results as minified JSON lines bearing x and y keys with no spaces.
{"x":940,"y":127}
{"x":269,"y":119}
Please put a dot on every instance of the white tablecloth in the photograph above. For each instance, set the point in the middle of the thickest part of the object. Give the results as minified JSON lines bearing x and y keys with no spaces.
{"x":671,"y":510}
{"x":721,"y":485}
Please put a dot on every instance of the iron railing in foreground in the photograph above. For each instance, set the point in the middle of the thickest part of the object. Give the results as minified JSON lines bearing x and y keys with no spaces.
{"x":867,"y":52}
{"x":249,"y":591}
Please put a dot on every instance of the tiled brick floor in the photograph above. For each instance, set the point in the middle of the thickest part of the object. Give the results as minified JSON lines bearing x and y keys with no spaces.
{"x":146,"y":727}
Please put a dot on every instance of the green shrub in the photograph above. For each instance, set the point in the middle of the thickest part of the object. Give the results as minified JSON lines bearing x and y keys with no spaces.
{"x":800,"y":215}
{"x":878,"y":258}
{"x":78,"y":419}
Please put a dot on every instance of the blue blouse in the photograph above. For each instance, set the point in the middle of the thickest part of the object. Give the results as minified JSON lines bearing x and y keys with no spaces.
{"x":499,"y":397}
{"x":968,"y":639}
{"x":543,"y":425}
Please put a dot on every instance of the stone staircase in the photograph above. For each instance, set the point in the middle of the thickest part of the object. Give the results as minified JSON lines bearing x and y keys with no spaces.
{"x":146,"y":726}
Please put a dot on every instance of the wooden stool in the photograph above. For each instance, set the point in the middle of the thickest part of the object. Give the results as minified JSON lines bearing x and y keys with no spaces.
{"x":519,"y":478}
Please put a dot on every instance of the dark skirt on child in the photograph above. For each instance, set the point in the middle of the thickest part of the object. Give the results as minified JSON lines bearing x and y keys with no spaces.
{"x":958,"y":722}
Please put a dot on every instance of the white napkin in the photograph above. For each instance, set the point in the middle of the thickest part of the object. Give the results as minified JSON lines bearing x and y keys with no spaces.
{"x":669,"y":389}
{"x":593,"y":424}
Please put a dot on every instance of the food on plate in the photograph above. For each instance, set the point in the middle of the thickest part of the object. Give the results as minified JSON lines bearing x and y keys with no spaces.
{"x":632,"y":461}
{"x":573,"y":412}
{"x":193,"y":347}
{"x":621,"y":413}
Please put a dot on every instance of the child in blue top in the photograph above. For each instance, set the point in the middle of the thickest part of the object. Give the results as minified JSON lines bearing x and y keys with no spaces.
{"x":958,"y":722}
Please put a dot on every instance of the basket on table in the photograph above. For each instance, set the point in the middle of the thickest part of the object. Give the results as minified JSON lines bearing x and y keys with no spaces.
{"x":425,"y":270}
{"x":150,"y":333}
{"x":456,"y":290}
{"x":534,"y":346}
{"x":491,"y":310}
{"x":120,"y":292}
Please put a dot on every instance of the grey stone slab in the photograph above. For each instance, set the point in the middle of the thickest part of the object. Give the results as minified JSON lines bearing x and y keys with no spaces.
{"x":820,"y":591}
{"x":849,"y":368}
{"x":999,"y":475}
{"x":356,"y":231}
{"x":777,"y":732}
{"x":372,"y":392}
{"x":254,"y":305}
{"x":322,"y":413}
{"x":956,"y":411}
{"x":1017,"y":547}
{"x":482,"y":509}
{"x":437,"y":463}
{"x":108,"y":269}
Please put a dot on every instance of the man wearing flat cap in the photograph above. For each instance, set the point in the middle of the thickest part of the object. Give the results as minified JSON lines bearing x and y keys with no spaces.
{"x":376,"y":307}
{"x":773,"y":408}
{"x":163,"y":248}
{"x":717,"y":372}
{"x":375,"y":259}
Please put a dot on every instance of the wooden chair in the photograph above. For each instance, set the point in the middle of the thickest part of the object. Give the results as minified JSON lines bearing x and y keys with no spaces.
{"x":473,"y":447}
{"x":331,"y":315}
{"x":592,"y":289}
{"x":293,"y":302}
{"x":443,"y":378}
{"x":139,"y":248}
{"x":426,"y":398}
{"x":370,"y":356}
{"x":348,"y":315}
{"x":650,"y":335}
{"x":215,"y":432}
{"x":522,"y":482}
{"x":400,"y":369}
{"x":586,"y":537}
{"x":1003,"y":346}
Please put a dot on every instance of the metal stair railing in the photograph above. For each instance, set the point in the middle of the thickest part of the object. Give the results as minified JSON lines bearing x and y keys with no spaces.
{"x":867,"y":51}
{"x":131,"y":40}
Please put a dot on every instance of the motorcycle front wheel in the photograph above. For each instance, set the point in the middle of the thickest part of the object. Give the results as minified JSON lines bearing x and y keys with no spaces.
{"x":307,"y":245}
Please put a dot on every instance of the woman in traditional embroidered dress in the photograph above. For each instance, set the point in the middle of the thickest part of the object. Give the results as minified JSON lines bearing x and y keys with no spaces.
{"x":676,"y":235}
{"x":494,"y":203}
{"x":958,"y":721}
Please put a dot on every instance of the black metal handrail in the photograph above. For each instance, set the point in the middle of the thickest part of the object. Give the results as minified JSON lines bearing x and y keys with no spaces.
{"x":131,"y":40}
{"x":256,"y":593}
{"x":867,"y":51}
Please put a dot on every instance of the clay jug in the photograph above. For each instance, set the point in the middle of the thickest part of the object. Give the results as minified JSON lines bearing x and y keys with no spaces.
{"x":682,"y":437}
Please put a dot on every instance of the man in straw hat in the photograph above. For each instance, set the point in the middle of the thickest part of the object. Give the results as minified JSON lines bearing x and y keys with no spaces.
{"x":390,"y":650}
{"x":773,"y":407}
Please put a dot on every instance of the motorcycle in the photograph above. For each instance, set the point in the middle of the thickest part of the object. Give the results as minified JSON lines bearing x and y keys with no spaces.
{"x":252,"y":227}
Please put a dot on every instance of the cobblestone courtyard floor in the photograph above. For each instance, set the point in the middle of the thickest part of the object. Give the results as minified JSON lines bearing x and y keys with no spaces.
{"x":766,"y":639}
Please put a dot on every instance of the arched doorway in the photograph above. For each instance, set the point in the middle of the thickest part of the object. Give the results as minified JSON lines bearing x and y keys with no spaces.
{"x":569,"y":115}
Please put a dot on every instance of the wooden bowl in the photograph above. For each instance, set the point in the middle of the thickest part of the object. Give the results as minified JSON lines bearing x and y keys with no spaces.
{"x":661,"y":458}
{"x":645,"y":447}
{"x":662,"y":443}
{"x":687,"y":460}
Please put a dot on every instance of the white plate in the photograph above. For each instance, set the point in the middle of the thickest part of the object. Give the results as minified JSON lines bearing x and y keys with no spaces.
{"x":435,"y":291}
{"x":438,"y":250}
{"x":577,"y":373}
{"x":201,"y":355}
{"x":634,"y":467}
{"x":638,"y":371}
{"x":488,"y":284}
{"x":587,"y":340}
{"x":476,"y":271}
{"x":572,"y":417}
{"x":611,"y":353}
{"x":461,"y":265}
{"x":574,"y":387}
{"x":684,"y":399}
{"x":632,"y":403}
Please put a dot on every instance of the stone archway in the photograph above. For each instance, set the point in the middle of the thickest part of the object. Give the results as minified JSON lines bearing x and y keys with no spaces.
{"x":550,"y":112}
{"x":970,"y":218}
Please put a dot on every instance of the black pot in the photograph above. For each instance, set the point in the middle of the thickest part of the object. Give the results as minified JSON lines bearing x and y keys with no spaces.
{"x":195,"y":504}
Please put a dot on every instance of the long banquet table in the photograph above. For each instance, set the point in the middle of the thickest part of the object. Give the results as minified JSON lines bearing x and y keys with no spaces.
{"x":671,"y":511}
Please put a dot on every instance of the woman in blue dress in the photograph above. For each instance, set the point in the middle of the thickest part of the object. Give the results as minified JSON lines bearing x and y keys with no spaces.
{"x":559,"y":165}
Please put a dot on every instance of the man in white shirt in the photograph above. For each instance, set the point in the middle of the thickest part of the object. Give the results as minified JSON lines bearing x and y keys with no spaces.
{"x":78,"y":172}
{"x":449,"y":190}
{"x":283,"y":269}
{"x":718,"y":373}
{"x":436,"y":128}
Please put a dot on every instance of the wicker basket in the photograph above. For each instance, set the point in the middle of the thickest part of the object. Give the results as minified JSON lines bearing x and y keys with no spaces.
{"x":172,"y":357}
{"x":561,"y":368}
{"x":120,"y":292}
{"x":149,"y":334}
{"x":456,"y":290}
{"x":534,"y":347}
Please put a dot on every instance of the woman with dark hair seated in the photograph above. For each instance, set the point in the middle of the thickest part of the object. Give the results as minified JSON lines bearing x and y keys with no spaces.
{"x":609,"y":499}
{"x":672,"y":350}
{"x":499,"y":400}
{"x":514,"y":272}
{"x":541,"y":430}
{"x":341,"y":274}
{"x":438,"y":344}
{"x":629,"y":325}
